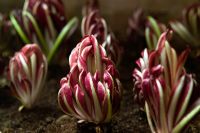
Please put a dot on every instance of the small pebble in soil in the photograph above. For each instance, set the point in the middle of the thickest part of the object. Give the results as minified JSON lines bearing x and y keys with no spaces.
{"x":49,"y":119}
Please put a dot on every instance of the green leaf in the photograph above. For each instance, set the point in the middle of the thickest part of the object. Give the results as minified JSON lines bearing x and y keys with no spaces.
{"x":183,"y":32}
{"x":38,"y":32}
{"x":66,"y":31}
{"x":154,"y":25}
{"x":186,"y":120}
{"x":19,"y":29}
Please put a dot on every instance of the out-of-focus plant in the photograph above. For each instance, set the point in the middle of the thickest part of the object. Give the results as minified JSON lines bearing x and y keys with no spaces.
{"x":3,"y":35}
{"x":143,"y":30}
{"x":135,"y":41}
{"x":189,"y":28}
{"x":92,"y":90}
{"x":90,"y":6}
{"x":7,"y":47}
{"x":27,"y":73}
{"x":137,"y":23}
{"x":153,"y":31}
{"x":43,"y":22}
{"x":170,"y":95}
{"x":7,"y":36}
{"x":2,"y":48}
{"x":94,"y":24}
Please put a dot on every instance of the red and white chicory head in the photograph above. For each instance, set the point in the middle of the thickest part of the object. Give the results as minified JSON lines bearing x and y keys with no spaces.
{"x":27,"y":73}
{"x":92,"y":90}
{"x":165,"y":89}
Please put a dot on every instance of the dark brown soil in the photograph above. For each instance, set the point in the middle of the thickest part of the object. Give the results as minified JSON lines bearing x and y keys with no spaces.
{"x":47,"y":117}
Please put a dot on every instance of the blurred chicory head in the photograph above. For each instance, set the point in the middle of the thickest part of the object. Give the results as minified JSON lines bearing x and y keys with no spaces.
{"x":189,"y":28}
{"x":90,"y":6}
{"x":92,"y":90}
{"x":135,"y":41}
{"x":8,"y":41}
{"x":94,"y":24}
{"x":43,"y":22}
{"x":3,"y":46}
{"x":136,"y":23}
{"x":48,"y":13}
{"x":144,"y":31}
{"x":27,"y":73}
{"x":164,"y":88}
{"x":7,"y":37}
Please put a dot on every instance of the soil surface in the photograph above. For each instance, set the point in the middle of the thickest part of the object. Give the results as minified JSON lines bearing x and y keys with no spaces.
{"x":46,"y":117}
